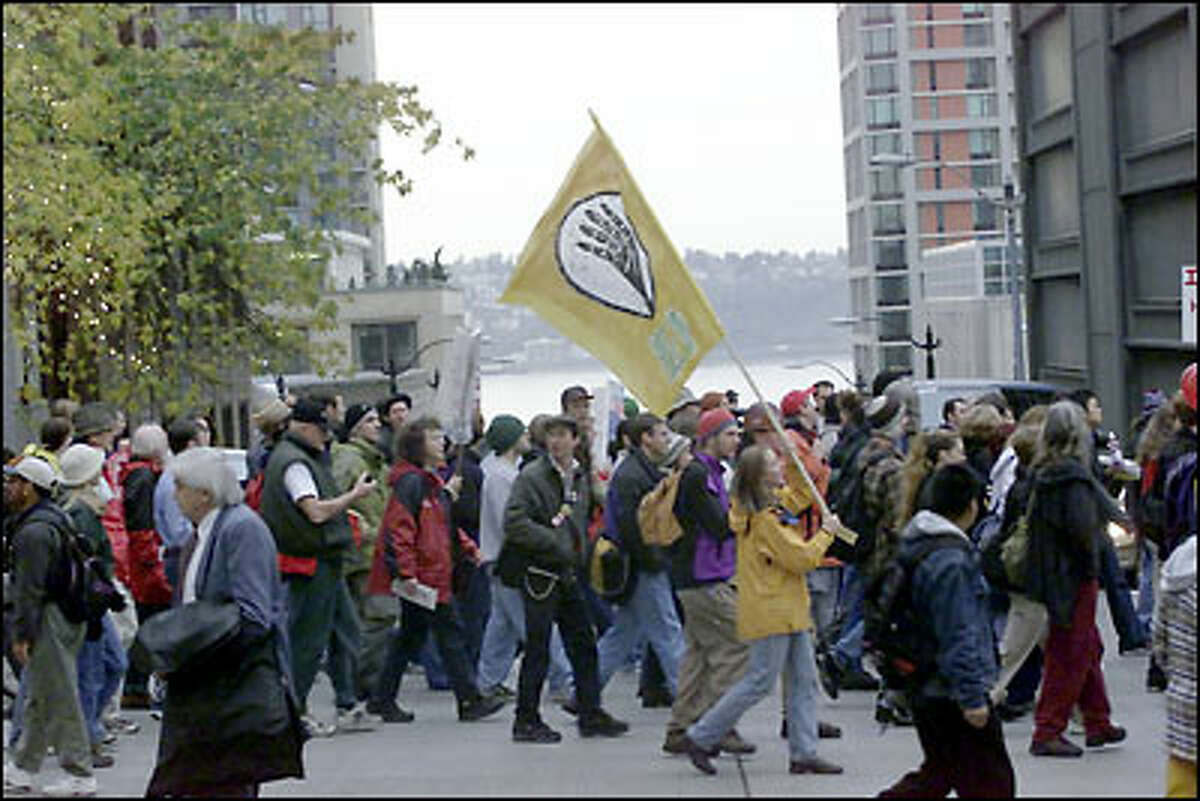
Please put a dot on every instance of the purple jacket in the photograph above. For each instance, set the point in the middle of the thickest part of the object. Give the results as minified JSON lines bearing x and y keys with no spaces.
{"x":707,"y":551}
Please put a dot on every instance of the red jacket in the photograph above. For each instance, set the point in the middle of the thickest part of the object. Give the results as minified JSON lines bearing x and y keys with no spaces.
{"x":147,"y":574}
{"x":418,"y":547}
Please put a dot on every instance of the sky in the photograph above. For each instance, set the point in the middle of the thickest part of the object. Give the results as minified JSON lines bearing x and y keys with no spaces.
{"x":727,"y":116}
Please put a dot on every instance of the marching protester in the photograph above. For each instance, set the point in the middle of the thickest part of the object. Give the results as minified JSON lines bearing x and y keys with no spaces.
{"x":509,"y":441}
{"x":393,"y":411}
{"x":545,"y":525}
{"x":45,"y":643}
{"x":420,"y":544}
{"x":170,"y":523}
{"x":229,"y":719}
{"x":773,"y":615}
{"x":961,"y":739}
{"x":306,"y":513}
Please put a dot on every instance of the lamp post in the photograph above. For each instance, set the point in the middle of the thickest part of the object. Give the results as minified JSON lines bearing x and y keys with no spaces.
{"x":392,"y":372}
{"x":1009,"y":203}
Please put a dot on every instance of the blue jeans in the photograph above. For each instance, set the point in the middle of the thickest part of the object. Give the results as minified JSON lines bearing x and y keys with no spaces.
{"x":848,"y":649}
{"x":102,"y":665}
{"x":18,"y":713}
{"x":650,"y":613}
{"x":768,"y":656}
{"x":505,"y":629}
{"x":1145,"y":601}
{"x":1130,"y":633}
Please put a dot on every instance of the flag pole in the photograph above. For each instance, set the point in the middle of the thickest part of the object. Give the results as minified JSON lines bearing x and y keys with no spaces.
{"x":841,"y":531}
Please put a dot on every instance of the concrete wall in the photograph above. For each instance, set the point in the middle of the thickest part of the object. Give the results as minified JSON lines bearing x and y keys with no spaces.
{"x":1107,"y":128}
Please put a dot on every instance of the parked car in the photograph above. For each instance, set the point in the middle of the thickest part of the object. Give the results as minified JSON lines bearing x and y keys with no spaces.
{"x":933,"y":394}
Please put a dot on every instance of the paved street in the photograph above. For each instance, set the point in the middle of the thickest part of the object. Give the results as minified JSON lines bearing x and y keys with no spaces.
{"x":437,"y":755}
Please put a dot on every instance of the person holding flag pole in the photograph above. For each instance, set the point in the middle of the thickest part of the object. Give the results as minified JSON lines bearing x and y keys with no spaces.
{"x":600,"y":269}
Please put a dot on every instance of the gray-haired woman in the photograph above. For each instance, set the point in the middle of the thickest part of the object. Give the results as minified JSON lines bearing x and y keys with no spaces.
{"x":1067,"y":516}
{"x":230,"y":723}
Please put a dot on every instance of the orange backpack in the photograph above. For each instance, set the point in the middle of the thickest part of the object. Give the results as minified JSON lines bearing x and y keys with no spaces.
{"x":656,"y":512}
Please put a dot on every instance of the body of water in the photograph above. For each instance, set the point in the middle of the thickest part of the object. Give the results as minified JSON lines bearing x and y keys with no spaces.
{"x":526,"y":394}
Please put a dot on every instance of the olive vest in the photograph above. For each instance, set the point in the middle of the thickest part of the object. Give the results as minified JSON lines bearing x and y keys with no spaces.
{"x":295,"y":534}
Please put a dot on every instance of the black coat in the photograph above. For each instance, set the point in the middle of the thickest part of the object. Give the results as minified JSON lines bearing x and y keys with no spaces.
{"x":1066,"y":521}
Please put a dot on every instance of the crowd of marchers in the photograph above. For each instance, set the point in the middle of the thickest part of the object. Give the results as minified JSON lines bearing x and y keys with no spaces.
{"x":361,"y":541}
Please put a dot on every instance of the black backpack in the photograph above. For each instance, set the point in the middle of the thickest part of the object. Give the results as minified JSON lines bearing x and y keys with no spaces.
{"x":849,"y":503}
{"x":893,"y":637}
{"x":76,"y":581}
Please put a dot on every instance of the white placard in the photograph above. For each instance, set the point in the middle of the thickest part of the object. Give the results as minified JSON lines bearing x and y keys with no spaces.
{"x":416,"y":592}
{"x":1187,"y":309}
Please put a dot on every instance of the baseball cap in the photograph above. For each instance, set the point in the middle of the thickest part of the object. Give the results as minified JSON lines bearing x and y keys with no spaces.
{"x":571,"y":394}
{"x":34,"y":470}
{"x":310,"y":410}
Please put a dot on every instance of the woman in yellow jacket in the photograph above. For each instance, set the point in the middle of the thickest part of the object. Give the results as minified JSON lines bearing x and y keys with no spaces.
{"x":773,"y":616}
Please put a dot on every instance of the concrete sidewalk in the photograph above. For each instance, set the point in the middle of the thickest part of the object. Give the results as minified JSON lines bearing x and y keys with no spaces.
{"x":437,"y":755}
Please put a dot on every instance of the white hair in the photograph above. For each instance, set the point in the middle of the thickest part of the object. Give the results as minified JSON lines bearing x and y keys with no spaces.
{"x":206,"y":469}
{"x":150,"y":441}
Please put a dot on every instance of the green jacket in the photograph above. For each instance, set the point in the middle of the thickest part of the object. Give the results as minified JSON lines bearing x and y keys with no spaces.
{"x":350,"y":460}
{"x":87,"y":522}
{"x":295,"y":534}
{"x":536,"y":499}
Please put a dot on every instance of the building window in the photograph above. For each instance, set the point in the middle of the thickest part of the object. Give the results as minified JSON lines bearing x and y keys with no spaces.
{"x":1050,"y":66}
{"x":885,"y":183}
{"x":939,"y":209}
{"x":877,"y":12}
{"x":883,"y":112}
{"x":315,"y":16}
{"x":984,"y":143}
{"x":981,"y":105}
{"x":981,"y":73}
{"x":889,"y":254}
{"x":378,"y":343}
{"x":884,"y":143}
{"x":985,"y":215}
{"x":891,"y":290}
{"x":971,"y":10}
{"x":897,"y":358}
{"x":889,"y":218}
{"x":985,"y":175}
{"x":977,"y":35}
{"x":894,"y":326}
{"x":881,"y":78}
{"x":1057,"y":193}
{"x":879,"y":43}
{"x":933,"y":76}
{"x":268,"y":14}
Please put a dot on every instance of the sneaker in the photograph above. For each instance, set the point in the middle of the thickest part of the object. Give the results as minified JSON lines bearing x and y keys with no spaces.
{"x":701,"y":757}
{"x":357,"y":718}
{"x":535,"y":731}
{"x":677,"y":744}
{"x":480,"y":708}
{"x":732,"y":743}
{"x":16,"y":780}
{"x":72,"y":787}
{"x":122,"y":725}
{"x":814,"y":765}
{"x":601,"y":724}
{"x":828,"y":731}
{"x":1058,"y":747}
{"x":1113,"y":734}
{"x":830,"y":673}
{"x":390,"y":712}
{"x":316,"y":728}
{"x":101,"y":758}
{"x":890,"y":710}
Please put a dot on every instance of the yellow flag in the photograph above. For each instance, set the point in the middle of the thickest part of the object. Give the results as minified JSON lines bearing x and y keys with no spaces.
{"x":601,"y":270}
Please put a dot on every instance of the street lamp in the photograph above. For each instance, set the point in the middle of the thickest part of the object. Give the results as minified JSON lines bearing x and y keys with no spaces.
{"x":1009,"y":203}
{"x":391,"y":371}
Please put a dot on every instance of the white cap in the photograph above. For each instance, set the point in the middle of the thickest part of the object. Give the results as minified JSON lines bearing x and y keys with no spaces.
{"x":34,"y":470}
{"x":81,"y":465}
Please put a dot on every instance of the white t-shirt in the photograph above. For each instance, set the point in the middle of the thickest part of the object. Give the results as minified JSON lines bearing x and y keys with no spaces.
{"x":193,"y":569}
{"x":299,"y":481}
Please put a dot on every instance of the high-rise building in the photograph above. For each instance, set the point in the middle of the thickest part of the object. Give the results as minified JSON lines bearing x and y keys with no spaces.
{"x":928,"y":126}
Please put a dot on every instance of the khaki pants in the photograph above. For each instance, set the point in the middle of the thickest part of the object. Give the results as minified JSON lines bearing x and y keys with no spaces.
{"x":714,"y":658}
{"x":1025,"y":627}
{"x":1181,"y":778}
{"x":52,"y":713}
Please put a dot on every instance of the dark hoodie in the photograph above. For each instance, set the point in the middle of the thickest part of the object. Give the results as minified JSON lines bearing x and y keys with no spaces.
{"x":1065,"y":523}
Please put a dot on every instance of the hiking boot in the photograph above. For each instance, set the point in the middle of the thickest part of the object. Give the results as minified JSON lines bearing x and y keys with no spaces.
{"x":701,"y":757}
{"x":677,"y":744}
{"x":657,"y":699}
{"x":1108,"y":736}
{"x":830,"y":674}
{"x":535,"y":731}
{"x":732,"y":743}
{"x":101,"y":758}
{"x":390,"y":712}
{"x":357,"y":718}
{"x":601,"y":724}
{"x":1058,"y":747}
{"x":814,"y":765}
{"x":828,"y":731}
{"x":480,"y":708}
{"x":72,"y":786}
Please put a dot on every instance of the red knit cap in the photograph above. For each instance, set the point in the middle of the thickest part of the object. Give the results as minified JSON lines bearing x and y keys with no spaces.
{"x":794,"y":401}
{"x":714,"y":421}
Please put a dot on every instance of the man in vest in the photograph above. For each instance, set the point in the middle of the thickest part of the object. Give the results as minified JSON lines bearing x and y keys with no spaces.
{"x":307,"y":516}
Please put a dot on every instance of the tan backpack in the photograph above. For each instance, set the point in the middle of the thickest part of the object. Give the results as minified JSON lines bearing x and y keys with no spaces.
{"x":656,"y":515}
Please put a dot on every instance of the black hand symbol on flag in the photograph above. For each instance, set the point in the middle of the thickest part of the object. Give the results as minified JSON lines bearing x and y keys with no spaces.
{"x":613,"y":242}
